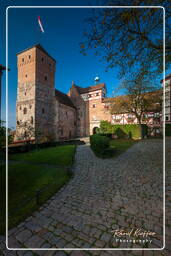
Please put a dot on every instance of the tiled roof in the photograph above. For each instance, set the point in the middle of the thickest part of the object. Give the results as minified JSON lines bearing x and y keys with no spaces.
{"x":90,"y":88}
{"x":40,"y":48}
{"x":166,"y":78}
{"x":156,"y":94}
{"x":63,"y":98}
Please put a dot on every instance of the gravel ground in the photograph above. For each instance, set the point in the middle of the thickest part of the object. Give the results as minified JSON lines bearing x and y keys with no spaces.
{"x":104,"y":195}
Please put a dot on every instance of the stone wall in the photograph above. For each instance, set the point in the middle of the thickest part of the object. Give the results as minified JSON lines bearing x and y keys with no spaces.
{"x":66,"y":127}
{"x":81,"y":120}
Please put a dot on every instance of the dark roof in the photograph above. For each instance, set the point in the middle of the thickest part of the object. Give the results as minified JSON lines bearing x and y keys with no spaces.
{"x":40,"y":48}
{"x":90,"y":88}
{"x":63,"y":98}
{"x":166,"y":78}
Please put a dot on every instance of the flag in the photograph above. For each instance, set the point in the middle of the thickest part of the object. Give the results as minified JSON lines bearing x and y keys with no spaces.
{"x":40,"y":24}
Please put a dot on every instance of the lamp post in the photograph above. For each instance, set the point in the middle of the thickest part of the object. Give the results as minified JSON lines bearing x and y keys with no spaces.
{"x":2,"y":68}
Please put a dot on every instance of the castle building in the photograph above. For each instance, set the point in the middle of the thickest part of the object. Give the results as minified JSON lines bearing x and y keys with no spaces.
{"x":167,"y":99}
{"x":54,"y":115}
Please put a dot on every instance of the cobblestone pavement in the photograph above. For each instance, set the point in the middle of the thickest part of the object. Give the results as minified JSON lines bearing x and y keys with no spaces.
{"x":104,"y":195}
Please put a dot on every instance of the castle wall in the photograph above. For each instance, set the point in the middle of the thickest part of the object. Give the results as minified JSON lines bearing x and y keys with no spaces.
{"x":66,"y":128}
{"x":81,"y":114}
{"x":25,"y":107}
{"x":36,"y":94}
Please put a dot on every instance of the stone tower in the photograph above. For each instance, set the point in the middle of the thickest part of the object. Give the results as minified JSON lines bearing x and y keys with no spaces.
{"x":36,"y":93}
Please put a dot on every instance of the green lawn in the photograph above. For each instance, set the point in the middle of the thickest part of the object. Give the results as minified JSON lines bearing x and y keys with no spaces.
{"x":25,"y":179}
{"x":60,"y":155}
{"x":121,"y":145}
{"x":117,"y":146}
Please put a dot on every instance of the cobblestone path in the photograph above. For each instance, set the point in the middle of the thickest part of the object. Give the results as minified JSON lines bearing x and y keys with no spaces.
{"x":104,"y":195}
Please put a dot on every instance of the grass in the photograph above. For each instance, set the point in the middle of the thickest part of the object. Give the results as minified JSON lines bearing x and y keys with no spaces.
{"x":117,"y":147}
{"x":121,"y":145}
{"x":24,"y":179}
{"x":60,"y":155}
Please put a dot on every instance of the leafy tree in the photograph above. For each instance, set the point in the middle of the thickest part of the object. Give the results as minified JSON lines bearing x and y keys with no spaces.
{"x":130,"y":38}
{"x":3,"y":134}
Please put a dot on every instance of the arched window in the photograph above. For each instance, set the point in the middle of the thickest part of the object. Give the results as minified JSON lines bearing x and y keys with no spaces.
{"x":31,"y":119}
{"x":25,"y":111}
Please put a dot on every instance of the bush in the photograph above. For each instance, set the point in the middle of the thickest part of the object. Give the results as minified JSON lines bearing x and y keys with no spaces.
{"x":99,"y":143}
{"x":168,"y":130}
{"x":135,"y":131}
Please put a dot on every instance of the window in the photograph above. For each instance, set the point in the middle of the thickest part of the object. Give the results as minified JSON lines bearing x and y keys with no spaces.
{"x":94,"y":105}
{"x":26,"y":75}
{"x":30,"y":106}
{"x":97,"y":94}
{"x":45,"y":78}
{"x":66,"y":114}
{"x":20,"y":107}
{"x":43,"y":110}
{"x":167,"y":118}
{"x":89,"y":95}
{"x":25,"y":111}
{"x":31,"y":120}
{"x":18,"y":122}
{"x":42,"y":59}
{"x":29,"y":56}
{"x":25,"y":93}
{"x":22,"y":59}
{"x":50,"y":64}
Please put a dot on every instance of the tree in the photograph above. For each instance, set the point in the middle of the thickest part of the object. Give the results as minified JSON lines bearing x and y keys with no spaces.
{"x":27,"y":132}
{"x":130,"y":38}
{"x":140,"y":98}
{"x":3,"y":134}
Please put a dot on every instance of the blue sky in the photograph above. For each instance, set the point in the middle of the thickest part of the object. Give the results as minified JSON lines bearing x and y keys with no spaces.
{"x":63,"y":33}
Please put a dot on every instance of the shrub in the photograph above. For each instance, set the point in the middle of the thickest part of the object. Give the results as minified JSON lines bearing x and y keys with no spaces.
{"x":99,"y":143}
{"x":128,"y":130}
{"x":168,"y":129}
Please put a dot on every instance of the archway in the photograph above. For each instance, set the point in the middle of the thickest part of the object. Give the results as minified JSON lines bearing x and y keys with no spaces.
{"x":95,"y":130}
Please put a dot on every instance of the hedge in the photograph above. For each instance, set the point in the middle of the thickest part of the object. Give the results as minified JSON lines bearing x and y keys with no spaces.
{"x":99,"y":143}
{"x":168,"y":129}
{"x":128,"y":130}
